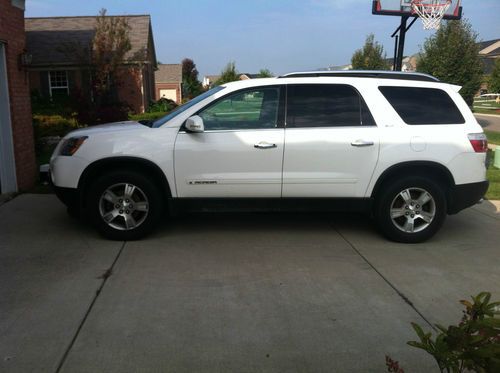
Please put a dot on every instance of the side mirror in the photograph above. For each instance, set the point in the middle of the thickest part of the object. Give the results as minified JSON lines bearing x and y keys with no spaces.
{"x":195,"y":124}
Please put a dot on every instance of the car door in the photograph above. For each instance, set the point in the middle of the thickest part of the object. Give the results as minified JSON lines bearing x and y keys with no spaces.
{"x":240,"y":151}
{"x":331,"y":142}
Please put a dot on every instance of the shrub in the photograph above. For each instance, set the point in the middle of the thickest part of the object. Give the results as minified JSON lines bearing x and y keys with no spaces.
{"x":52,"y":125}
{"x":147,"y":116}
{"x":472,"y":345}
{"x":163,"y":105}
{"x":45,"y":126}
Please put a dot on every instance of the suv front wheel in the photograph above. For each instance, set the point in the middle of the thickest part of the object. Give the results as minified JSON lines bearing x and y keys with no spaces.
{"x":124,"y":205}
{"x":411,"y":209}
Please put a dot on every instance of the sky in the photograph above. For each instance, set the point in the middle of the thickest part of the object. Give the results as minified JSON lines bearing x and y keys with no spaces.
{"x":280,"y":35}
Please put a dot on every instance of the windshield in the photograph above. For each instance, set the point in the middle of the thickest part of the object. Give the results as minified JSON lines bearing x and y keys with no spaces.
{"x":160,"y":122}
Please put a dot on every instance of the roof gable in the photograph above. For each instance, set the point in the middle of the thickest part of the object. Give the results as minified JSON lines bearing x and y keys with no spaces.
{"x":486,"y":47}
{"x":169,"y":73}
{"x":67,"y":40}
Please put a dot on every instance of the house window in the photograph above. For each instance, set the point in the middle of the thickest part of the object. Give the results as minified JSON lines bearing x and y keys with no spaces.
{"x":58,"y":83}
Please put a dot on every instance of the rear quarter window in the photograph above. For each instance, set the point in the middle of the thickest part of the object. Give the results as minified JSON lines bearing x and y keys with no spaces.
{"x":420,"y":106}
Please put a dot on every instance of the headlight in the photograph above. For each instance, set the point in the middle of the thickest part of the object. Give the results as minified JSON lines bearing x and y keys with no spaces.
{"x":71,"y":145}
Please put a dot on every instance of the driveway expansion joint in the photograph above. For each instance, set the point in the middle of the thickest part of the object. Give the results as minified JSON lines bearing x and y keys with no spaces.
{"x":386,"y":280}
{"x":107,"y":274}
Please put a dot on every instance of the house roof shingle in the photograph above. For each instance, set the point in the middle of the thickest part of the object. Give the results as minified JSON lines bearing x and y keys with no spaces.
{"x":67,"y":40}
{"x":169,"y":73}
{"x":485,"y":44}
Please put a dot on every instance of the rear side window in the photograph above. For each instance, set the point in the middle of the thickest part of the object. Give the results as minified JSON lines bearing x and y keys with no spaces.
{"x":326,"y":105}
{"x":423,"y":105}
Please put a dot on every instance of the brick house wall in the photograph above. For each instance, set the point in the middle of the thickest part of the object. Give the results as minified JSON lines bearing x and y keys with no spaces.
{"x":12,"y":34}
{"x":48,"y":39}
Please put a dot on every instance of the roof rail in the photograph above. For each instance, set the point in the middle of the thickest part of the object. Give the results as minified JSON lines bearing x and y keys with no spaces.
{"x":364,"y":74}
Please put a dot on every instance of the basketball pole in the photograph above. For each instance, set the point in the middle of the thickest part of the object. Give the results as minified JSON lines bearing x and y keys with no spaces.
{"x":399,"y":45}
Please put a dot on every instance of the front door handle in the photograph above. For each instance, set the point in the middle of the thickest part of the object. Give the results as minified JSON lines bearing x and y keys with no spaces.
{"x":362,"y":143}
{"x":265,"y":145}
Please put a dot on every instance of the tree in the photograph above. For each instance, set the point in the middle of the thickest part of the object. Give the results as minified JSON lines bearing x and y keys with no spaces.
{"x":229,"y":74}
{"x":105,"y":59}
{"x":110,"y":45}
{"x":452,"y":55}
{"x":191,"y":86}
{"x":370,"y":57}
{"x":494,"y":84}
{"x":265,"y":73}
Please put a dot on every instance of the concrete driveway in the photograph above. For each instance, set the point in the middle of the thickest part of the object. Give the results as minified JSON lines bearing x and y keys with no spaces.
{"x":225,"y":293}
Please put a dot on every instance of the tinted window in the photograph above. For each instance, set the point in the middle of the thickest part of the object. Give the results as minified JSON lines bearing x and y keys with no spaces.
{"x":326,"y":105}
{"x":250,"y":109}
{"x":423,"y":105}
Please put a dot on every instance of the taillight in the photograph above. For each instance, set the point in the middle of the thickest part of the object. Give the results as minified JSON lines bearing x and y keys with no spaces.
{"x":479,"y":142}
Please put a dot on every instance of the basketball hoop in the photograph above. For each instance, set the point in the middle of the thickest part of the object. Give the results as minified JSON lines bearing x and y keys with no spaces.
{"x":431,"y":12}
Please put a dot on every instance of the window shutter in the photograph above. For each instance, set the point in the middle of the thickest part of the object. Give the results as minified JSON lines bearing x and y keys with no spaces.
{"x":44,"y":84}
{"x":71,"y":81}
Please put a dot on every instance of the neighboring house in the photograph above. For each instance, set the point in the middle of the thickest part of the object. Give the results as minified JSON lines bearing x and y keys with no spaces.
{"x":246,"y":76}
{"x":17,"y":150}
{"x":409,"y":63}
{"x":338,"y":68}
{"x":61,"y":54}
{"x":168,"y":82}
{"x":489,"y":51}
{"x":209,"y":81}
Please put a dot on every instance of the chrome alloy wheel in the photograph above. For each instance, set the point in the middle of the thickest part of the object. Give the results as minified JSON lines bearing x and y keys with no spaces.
{"x":413,"y":210}
{"x":123,"y":206}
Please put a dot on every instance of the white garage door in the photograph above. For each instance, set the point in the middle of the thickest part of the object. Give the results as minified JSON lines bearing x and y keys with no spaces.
{"x":169,"y":93}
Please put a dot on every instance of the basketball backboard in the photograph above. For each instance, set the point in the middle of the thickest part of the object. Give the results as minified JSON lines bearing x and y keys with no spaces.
{"x":403,"y":8}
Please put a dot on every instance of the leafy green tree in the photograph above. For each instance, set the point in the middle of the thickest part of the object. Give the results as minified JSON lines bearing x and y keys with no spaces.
{"x":191,"y":86}
{"x":265,"y":73}
{"x":494,"y":83}
{"x":370,"y":57}
{"x":452,"y":55}
{"x":229,"y":74}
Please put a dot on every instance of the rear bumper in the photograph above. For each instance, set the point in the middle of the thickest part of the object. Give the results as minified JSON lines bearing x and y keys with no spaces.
{"x":466,"y":195}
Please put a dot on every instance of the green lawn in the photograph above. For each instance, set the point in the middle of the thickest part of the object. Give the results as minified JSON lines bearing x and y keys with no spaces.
{"x":493,"y":172}
{"x":493,"y":137}
{"x":494,"y":178}
{"x":486,"y":111}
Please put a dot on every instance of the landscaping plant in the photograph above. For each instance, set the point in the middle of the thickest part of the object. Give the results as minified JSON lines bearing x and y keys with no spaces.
{"x":472,"y":345}
{"x":370,"y":57}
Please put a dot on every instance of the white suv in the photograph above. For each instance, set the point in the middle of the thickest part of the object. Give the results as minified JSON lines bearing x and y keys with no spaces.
{"x":403,"y":147}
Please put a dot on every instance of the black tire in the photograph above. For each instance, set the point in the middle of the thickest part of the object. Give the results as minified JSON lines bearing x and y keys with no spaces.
{"x":390,"y":194}
{"x":155,"y":203}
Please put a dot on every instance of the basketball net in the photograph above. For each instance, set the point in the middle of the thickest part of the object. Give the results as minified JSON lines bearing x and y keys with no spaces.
{"x":431,"y":12}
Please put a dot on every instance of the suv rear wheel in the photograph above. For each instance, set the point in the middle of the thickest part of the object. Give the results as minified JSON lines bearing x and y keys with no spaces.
{"x":411,"y":209}
{"x":124,"y":205}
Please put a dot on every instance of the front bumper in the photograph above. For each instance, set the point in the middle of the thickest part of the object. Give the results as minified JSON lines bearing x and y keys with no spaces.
{"x":68,"y":196}
{"x":466,"y":195}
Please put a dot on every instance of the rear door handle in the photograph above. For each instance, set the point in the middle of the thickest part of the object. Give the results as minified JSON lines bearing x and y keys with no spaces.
{"x":362,"y":143}
{"x":265,"y":145}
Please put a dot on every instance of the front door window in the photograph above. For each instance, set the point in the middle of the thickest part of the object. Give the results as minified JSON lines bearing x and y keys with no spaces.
{"x":250,"y":109}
